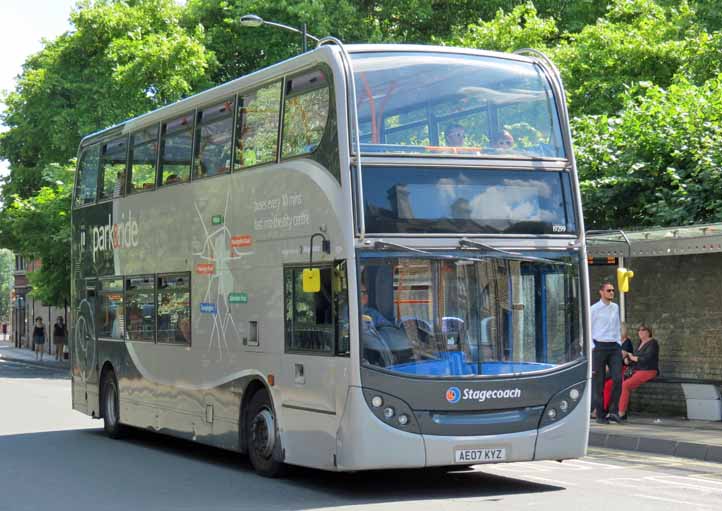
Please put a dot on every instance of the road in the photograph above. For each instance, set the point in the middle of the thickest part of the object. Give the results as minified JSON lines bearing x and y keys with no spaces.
{"x":52,"y":458}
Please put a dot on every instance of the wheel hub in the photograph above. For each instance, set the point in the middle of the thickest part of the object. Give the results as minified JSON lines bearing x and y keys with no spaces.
{"x":110,"y":405}
{"x":263,"y":433}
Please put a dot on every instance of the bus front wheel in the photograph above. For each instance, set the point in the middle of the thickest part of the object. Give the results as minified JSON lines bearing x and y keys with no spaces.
{"x":111,"y":406}
{"x":262,"y":436}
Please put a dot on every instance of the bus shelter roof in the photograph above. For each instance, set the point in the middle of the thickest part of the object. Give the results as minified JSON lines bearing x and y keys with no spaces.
{"x":656,"y":241}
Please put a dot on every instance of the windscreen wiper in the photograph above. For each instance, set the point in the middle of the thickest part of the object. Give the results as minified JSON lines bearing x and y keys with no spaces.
{"x":467,"y":243}
{"x":380,"y":244}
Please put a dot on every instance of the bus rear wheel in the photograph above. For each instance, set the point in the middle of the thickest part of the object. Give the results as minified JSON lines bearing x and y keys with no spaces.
{"x":111,"y":406}
{"x":262,"y":436}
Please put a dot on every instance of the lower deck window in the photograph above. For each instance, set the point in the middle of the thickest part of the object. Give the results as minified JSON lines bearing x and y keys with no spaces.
{"x":111,"y":317}
{"x":174,"y":309}
{"x":140,"y":298}
{"x":317,"y":322}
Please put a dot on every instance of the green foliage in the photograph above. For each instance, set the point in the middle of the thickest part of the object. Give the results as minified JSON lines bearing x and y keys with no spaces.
{"x":659,"y":162}
{"x":521,"y":28}
{"x":7,"y":266}
{"x":121,"y":59}
{"x":39,"y":228}
{"x":636,"y":41}
{"x":241,"y":50}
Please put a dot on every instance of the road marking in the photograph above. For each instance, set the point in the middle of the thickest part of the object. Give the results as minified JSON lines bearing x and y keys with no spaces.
{"x":626,"y":482}
{"x":686,"y":482}
{"x":590,"y":465}
{"x":685,"y":503}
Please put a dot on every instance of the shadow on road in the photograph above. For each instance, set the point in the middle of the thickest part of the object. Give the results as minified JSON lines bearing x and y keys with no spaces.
{"x":378,"y":486}
{"x":150,"y":471}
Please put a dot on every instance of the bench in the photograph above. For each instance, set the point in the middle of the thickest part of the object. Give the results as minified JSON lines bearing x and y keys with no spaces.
{"x":702,"y":397}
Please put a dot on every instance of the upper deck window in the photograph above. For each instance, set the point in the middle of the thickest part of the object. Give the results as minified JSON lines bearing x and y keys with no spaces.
{"x":305,"y":113}
{"x":213,"y":142}
{"x":143,"y":160}
{"x":87,"y":185}
{"x":112,"y":167}
{"x":257,"y":130}
{"x":449,"y":104}
{"x":177,"y":150}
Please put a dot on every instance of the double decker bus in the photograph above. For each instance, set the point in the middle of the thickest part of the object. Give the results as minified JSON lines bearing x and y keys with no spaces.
{"x":364,"y":257}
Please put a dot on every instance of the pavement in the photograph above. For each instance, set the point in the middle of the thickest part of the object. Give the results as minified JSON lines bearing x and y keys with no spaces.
{"x":670,"y":436}
{"x":9,"y":352}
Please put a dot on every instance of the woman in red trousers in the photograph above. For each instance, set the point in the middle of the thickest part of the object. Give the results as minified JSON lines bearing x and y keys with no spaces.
{"x":646,"y":367}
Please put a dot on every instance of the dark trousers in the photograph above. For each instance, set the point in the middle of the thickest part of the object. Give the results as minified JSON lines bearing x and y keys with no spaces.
{"x":606,"y":354}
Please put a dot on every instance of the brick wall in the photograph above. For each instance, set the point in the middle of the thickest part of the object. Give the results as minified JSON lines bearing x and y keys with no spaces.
{"x":681,"y":299}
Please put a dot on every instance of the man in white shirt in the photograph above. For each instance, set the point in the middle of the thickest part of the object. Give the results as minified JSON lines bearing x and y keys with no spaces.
{"x":606,"y":335}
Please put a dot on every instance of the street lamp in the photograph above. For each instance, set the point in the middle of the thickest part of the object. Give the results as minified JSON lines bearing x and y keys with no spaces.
{"x":252,"y":20}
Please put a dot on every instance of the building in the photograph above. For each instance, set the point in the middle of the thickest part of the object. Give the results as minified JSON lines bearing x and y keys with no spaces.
{"x":25,"y":308}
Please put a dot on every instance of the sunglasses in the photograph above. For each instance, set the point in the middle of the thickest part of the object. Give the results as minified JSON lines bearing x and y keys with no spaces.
{"x":609,"y":290}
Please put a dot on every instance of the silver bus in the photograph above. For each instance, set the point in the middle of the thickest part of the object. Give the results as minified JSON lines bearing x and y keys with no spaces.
{"x":364,"y":257}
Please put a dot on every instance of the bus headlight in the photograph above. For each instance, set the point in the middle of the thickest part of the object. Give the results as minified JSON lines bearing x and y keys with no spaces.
{"x":562,"y":404}
{"x":392,"y":411}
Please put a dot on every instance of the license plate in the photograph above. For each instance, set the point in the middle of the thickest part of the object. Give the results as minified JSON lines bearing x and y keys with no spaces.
{"x":488,"y":455}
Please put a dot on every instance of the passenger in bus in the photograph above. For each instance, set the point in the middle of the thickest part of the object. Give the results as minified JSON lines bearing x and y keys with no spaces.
{"x":502,"y":141}
{"x":172,"y":178}
{"x":183,"y":330}
{"x":118,"y":186}
{"x":454,"y":135}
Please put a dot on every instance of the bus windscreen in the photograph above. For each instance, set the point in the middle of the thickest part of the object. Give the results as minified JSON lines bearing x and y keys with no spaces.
{"x":469,"y":314}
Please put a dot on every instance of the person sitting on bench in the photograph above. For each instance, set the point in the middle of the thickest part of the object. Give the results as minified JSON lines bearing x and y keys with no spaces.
{"x":645,"y":367}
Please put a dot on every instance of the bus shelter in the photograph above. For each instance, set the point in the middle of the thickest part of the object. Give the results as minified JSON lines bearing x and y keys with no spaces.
{"x":677,"y":290}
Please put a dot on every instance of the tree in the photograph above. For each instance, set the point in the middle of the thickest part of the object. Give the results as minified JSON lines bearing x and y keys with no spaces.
{"x":7,"y":266}
{"x":520,"y":28}
{"x":40,"y":229}
{"x":659,"y":162}
{"x":122,"y":58}
{"x":637,"y":40}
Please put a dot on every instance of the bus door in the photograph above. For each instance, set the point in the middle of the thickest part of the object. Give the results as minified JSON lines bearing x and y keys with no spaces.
{"x":315,"y":362}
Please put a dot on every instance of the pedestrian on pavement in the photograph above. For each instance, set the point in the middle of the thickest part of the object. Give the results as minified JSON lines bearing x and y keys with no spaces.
{"x":39,"y":338}
{"x":645,"y":367}
{"x":607,"y":352}
{"x":60,"y":334}
{"x":627,"y":349}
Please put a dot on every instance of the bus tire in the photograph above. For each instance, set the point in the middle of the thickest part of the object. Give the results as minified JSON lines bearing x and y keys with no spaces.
{"x":263,"y":441}
{"x":111,"y":406}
